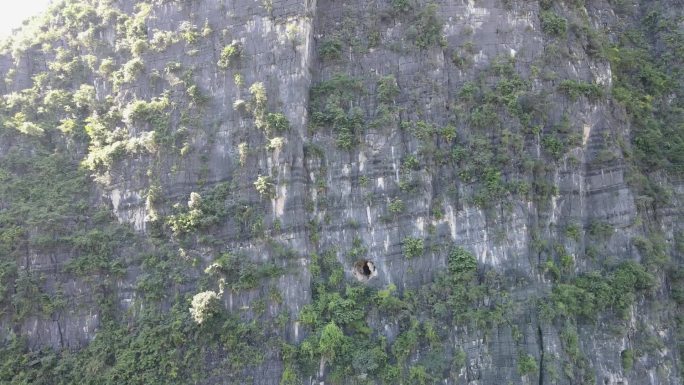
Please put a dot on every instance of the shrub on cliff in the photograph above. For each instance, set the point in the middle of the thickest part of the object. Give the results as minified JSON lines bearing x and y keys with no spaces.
{"x":204,"y":306}
{"x":229,"y":55}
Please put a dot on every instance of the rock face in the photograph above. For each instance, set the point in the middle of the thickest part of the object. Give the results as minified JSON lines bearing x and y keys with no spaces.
{"x":458,"y":192}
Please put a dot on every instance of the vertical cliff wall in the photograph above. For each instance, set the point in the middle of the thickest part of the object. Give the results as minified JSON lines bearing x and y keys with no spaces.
{"x":397,"y":192}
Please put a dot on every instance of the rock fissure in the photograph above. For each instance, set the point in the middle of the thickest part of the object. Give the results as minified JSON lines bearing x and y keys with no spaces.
{"x":540,"y":338}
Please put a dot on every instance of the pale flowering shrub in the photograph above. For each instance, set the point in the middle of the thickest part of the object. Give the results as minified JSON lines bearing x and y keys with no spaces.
{"x":204,"y":306}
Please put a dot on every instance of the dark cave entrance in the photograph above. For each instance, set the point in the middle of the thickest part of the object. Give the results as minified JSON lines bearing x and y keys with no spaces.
{"x":364,"y":270}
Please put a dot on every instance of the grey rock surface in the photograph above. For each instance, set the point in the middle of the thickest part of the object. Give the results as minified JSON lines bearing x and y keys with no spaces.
{"x":327,"y":197}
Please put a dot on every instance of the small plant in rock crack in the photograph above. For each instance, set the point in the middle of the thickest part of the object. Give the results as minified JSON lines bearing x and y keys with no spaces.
{"x":229,"y":55}
{"x":396,"y":206}
{"x":412,"y":247}
{"x":264,"y":185}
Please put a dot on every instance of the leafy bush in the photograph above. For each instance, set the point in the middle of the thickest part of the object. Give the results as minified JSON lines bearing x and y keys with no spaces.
{"x":461,"y":262}
{"x":412,"y":247}
{"x":601,"y":230}
{"x":275,"y":143}
{"x":277,"y":122}
{"x":591,"y":293}
{"x":346,"y":139}
{"x":332,"y":102}
{"x":57,"y":99}
{"x":485,"y":117}
{"x":85,"y":97}
{"x":331,"y":342}
{"x":138,"y":47}
{"x":201,"y":212}
{"x":161,"y":40}
{"x":368,"y":361}
{"x":396,"y":206}
{"x":387,"y":89}
{"x":243,"y":152}
{"x":527,"y":364}
{"x":30,"y":128}
{"x":259,"y":97}
{"x":7,"y":271}
{"x":401,"y":5}
{"x":429,"y":27}
{"x":493,"y":191}
{"x":410,"y":163}
{"x":264,"y":186}
{"x":653,"y":250}
{"x":553,"y":146}
{"x":185,"y":222}
{"x":419,"y":376}
{"x":574,"y":89}
{"x":627,"y":358}
{"x":553,"y":24}
{"x":289,"y":377}
{"x":331,"y":49}
{"x":239,"y":273}
{"x":204,"y":306}
{"x":132,"y":69}
{"x":406,"y":343}
{"x":189,"y":32}
{"x":154,"y":112}
{"x":230,"y":55}
{"x":573,"y":231}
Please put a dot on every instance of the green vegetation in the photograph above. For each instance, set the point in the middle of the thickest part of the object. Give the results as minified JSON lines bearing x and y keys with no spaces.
{"x":264,"y":186}
{"x":189,"y":32}
{"x":51,"y":210}
{"x":653,"y":251}
{"x":461,"y":262}
{"x":132,"y":69}
{"x":428,"y":28}
{"x":229,"y":55}
{"x":493,"y":190}
{"x":276,"y":123}
{"x":574,"y":89}
{"x":204,"y":306}
{"x":627,"y":358}
{"x":153,"y":112}
{"x":573,"y":231}
{"x":553,"y":24}
{"x":412,"y":247}
{"x":589,"y":295}
{"x":401,"y":5}
{"x":275,"y":143}
{"x":600,"y":230}
{"x":331,"y":49}
{"x":396,"y":206}
{"x":332,"y":107}
{"x":200,"y":212}
{"x":410,"y":163}
{"x":342,"y":341}
{"x":645,"y":64}
{"x":527,"y":365}
{"x":236,"y":272}
{"x":387,"y":89}
{"x":158,"y":350}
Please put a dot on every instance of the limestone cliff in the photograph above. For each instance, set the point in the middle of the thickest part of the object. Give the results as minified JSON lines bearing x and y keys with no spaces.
{"x":359,"y":192}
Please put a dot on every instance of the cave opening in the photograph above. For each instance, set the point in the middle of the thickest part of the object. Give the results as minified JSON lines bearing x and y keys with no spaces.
{"x":364,"y":270}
